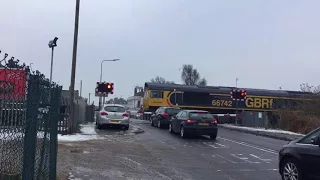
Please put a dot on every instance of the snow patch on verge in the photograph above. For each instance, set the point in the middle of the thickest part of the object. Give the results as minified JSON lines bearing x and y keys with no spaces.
{"x":88,"y":129}
{"x":271,"y":133}
{"x":87,"y":133}
{"x":262,"y":129}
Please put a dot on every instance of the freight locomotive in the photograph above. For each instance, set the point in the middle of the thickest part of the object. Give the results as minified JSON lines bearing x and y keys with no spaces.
{"x":217,"y":99}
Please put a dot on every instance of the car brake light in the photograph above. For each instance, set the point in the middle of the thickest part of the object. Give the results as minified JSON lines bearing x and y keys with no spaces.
{"x":103,"y":113}
{"x":165,"y":114}
{"x":125,"y":115}
{"x":191,"y":121}
{"x":214,"y":121}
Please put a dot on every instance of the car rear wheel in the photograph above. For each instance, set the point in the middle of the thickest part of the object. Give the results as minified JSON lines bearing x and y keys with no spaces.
{"x":159,"y":124}
{"x":151,"y":123}
{"x":290,"y":169}
{"x":126,"y":127}
{"x":170,"y":128}
{"x":214,"y":136}
{"x":182,"y":132}
{"x":99,"y":126}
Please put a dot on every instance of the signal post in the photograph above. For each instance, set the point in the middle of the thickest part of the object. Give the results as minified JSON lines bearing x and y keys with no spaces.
{"x":103,"y":89}
{"x":238,"y":95}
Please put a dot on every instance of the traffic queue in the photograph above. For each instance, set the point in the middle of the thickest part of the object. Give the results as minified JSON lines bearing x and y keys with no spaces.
{"x":185,"y":122}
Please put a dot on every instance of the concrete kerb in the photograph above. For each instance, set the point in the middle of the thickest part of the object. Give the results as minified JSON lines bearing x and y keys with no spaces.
{"x":280,"y":136}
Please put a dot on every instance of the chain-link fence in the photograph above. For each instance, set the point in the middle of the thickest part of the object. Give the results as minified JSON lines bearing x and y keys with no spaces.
{"x":29,"y":113}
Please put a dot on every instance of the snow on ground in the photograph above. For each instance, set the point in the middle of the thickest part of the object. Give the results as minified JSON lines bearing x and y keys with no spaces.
{"x":88,"y":129}
{"x":260,"y":129}
{"x":87,"y":133}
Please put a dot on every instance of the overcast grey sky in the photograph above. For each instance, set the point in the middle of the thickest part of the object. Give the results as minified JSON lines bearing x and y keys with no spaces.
{"x":265,"y":43}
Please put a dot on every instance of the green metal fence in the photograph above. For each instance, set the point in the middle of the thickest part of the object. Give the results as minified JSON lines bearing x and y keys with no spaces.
{"x":29,"y":114}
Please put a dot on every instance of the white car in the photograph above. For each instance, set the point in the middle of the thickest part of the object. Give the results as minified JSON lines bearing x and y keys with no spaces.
{"x":114,"y":115}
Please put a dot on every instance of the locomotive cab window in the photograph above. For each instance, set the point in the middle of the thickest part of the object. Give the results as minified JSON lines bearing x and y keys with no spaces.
{"x":156,"y":94}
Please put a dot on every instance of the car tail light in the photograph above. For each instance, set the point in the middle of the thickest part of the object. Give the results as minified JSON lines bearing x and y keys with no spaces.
{"x":191,"y":121}
{"x":103,"y":113}
{"x":125,"y":115}
{"x":214,"y":121}
{"x":140,"y":111}
{"x":165,"y":114}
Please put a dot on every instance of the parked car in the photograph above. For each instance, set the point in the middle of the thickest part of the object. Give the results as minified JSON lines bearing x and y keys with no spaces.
{"x":162,"y":116}
{"x":194,"y":122}
{"x":300,"y":158}
{"x":114,"y":115}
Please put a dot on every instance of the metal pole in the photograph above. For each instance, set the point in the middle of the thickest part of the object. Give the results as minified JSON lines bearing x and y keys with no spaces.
{"x":73,"y":69}
{"x":51,"y":67}
{"x":100,"y":98}
{"x":101,"y":71}
{"x":80,"y":88}
{"x":237,"y":105}
{"x":89,"y":98}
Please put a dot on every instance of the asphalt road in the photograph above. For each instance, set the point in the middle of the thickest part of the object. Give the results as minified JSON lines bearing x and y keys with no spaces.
{"x":158,"y":155}
{"x":232,"y":156}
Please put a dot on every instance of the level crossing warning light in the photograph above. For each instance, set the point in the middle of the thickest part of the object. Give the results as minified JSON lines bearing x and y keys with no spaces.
{"x":104,"y":88}
{"x":238,"y":94}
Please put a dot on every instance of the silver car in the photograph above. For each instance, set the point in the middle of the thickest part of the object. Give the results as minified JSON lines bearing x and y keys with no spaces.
{"x":113,"y":115}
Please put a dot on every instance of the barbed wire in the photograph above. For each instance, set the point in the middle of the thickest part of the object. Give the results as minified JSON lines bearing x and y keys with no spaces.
{"x":12,"y":63}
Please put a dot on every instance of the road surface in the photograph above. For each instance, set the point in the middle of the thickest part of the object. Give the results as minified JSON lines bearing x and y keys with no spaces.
{"x":157,"y":154}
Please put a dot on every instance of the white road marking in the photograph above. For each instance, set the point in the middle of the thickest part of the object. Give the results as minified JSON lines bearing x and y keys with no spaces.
{"x":135,"y":162}
{"x":243,"y":158}
{"x":246,"y":170}
{"x":220,"y":145}
{"x":217,"y":145}
{"x":264,"y":160}
{"x":223,"y":158}
{"x":211,"y":145}
{"x":251,"y":146}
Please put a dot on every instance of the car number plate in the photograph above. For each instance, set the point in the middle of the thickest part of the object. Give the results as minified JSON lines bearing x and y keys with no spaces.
{"x":114,"y":121}
{"x":203,"y":124}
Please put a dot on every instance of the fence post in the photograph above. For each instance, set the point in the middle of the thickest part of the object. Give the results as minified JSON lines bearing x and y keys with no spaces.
{"x":54,"y":118}
{"x":30,"y":137}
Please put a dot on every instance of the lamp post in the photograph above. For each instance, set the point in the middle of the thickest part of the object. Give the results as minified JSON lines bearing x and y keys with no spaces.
{"x":53,"y":143}
{"x":52,"y":44}
{"x":101,"y":77}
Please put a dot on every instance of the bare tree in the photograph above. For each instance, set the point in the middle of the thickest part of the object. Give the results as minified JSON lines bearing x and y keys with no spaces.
{"x":161,"y":80}
{"x":202,"y":82}
{"x":190,"y":76}
{"x":312,"y":106}
{"x":305,"y":87}
{"x":304,"y":115}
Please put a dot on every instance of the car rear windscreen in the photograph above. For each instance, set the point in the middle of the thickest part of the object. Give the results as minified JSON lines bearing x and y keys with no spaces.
{"x":172,"y":111}
{"x":200,"y":115}
{"x":114,"y":109}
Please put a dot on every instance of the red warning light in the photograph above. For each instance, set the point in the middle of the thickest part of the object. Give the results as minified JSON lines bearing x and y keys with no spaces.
{"x":242,"y":94}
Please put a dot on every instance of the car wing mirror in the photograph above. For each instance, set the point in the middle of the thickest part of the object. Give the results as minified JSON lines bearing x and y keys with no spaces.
{"x":315,"y":141}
